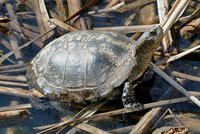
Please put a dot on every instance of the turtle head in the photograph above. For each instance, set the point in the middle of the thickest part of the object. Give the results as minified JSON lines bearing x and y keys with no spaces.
{"x":145,"y":48}
{"x":150,"y":40}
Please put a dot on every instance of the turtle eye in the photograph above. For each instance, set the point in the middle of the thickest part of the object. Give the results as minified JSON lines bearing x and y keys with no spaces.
{"x":153,"y":33}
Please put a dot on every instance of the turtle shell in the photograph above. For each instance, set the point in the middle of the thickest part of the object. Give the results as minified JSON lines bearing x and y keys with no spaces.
{"x":82,"y":66}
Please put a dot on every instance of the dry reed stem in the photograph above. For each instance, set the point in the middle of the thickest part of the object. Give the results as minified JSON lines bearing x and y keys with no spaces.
{"x":79,"y":22}
{"x":187,"y":19}
{"x":8,"y":83}
{"x":45,"y":16}
{"x":126,"y":29}
{"x":186,"y":76}
{"x":16,"y":92}
{"x":125,"y":130}
{"x":91,"y":129}
{"x":175,"y":84}
{"x":6,"y":44}
{"x":16,"y":31}
{"x":31,"y":35}
{"x":8,"y":59}
{"x":17,"y":70}
{"x":191,"y":29}
{"x":13,"y":115}
{"x":61,"y":10}
{"x":6,"y":67}
{"x":63,"y":25}
{"x":15,"y":107}
{"x":111,"y":9}
{"x":117,"y":112}
{"x":180,"y":55}
{"x":145,"y":125}
{"x":86,"y":112}
{"x":174,"y":14}
{"x":112,"y":3}
{"x":23,"y":46}
{"x":91,"y":3}
{"x":163,"y":7}
{"x":44,"y":27}
{"x":135,"y":5}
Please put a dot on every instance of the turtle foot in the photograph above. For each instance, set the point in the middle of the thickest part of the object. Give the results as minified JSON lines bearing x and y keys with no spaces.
{"x":134,"y":105}
{"x":42,"y":103}
{"x":128,"y":98}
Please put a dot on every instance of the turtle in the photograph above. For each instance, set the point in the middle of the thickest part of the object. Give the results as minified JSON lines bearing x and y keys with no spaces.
{"x":89,"y":66}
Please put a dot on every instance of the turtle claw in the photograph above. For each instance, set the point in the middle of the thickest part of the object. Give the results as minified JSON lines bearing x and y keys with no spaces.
{"x":135,"y":105}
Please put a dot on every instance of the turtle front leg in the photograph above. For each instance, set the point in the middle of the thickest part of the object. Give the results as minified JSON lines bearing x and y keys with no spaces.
{"x":128,"y":97}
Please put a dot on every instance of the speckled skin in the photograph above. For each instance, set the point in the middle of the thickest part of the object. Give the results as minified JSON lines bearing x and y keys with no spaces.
{"x":146,"y":46}
{"x":88,"y":65}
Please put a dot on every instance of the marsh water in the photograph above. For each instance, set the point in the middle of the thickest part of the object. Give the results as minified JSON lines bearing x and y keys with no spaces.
{"x":151,"y":89}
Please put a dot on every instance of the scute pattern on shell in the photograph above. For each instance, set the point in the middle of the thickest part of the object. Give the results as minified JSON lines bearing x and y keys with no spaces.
{"x":83,"y":65}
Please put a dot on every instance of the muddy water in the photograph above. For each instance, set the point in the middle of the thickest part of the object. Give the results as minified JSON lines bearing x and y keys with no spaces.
{"x":188,"y":65}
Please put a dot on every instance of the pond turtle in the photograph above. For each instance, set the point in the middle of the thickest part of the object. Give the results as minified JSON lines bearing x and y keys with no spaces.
{"x":87,"y":66}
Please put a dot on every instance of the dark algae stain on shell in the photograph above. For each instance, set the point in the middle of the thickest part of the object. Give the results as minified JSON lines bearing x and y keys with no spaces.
{"x":82,"y":66}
